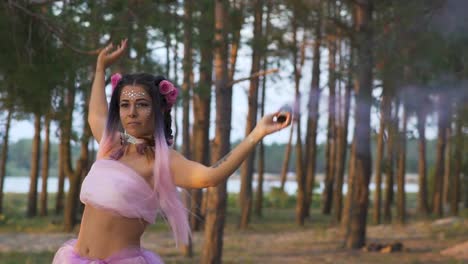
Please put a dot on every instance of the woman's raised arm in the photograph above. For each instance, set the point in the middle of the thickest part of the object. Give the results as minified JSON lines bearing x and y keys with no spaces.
{"x":190,"y":174}
{"x":98,"y":108}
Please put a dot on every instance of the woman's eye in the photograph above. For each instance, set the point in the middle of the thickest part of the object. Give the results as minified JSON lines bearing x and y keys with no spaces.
{"x":124,"y":105}
{"x":142,"y":105}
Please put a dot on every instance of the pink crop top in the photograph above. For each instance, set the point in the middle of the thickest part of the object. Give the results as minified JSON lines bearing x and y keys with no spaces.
{"x":114,"y":186}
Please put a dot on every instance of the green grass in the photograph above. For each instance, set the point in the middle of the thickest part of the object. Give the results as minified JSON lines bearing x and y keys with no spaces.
{"x":26,"y":258}
{"x":14,"y":217}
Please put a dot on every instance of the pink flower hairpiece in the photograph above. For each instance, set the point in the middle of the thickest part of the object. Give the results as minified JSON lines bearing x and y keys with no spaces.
{"x":169,"y":91}
{"x":115,"y":79}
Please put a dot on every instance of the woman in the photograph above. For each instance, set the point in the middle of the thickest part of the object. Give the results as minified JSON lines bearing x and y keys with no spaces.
{"x":135,"y":175}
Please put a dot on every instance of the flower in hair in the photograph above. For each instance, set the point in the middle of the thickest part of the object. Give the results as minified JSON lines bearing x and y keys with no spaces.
{"x":115,"y":79}
{"x":169,"y":91}
{"x":165,"y":87}
{"x":172,"y":97}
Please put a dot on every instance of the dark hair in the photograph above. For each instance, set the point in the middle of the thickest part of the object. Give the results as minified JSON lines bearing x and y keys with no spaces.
{"x":151,"y":84}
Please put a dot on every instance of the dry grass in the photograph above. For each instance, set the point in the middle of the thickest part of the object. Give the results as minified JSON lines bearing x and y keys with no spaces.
{"x":274,"y":238}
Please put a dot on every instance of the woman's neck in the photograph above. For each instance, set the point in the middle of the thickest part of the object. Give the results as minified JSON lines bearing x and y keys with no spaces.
{"x":133,"y":140}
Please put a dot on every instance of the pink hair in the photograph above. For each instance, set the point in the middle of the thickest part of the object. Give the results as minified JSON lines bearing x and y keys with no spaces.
{"x":166,"y":192}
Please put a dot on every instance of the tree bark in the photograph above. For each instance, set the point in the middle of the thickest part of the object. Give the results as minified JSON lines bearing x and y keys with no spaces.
{"x":201,"y":108}
{"x":45,"y":166}
{"x":457,"y":160}
{"x":217,"y":196}
{"x":342,"y":147}
{"x":447,"y":166}
{"x":186,"y":85}
{"x":423,"y":206}
{"x":350,"y":195}
{"x":34,"y":173}
{"x":261,"y":147}
{"x":312,"y":120}
{"x":287,"y":156}
{"x":236,"y":25}
{"x":389,"y":178}
{"x":330,"y":153}
{"x":246,"y":195}
{"x":186,"y":90}
{"x":401,"y":198}
{"x":300,"y":176}
{"x":75,"y":176}
{"x":437,"y":202}
{"x":357,"y":233}
{"x":378,"y":164}
{"x":4,"y":157}
{"x":59,"y":202}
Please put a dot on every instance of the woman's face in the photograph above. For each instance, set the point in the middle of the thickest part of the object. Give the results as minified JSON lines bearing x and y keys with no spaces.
{"x":136,"y":111}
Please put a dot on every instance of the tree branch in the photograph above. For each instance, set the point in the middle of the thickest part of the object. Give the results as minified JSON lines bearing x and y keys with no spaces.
{"x":256,"y":75}
{"x":57,"y":32}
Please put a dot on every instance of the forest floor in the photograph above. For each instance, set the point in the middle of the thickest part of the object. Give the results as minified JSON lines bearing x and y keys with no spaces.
{"x":273,"y":238}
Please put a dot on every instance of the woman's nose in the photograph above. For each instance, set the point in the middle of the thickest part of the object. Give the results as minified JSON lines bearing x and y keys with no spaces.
{"x":133,"y":111}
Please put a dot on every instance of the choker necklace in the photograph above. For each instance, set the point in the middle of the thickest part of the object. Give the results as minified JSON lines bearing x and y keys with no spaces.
{"x":126,"y":139}
{"x":131,"y":139}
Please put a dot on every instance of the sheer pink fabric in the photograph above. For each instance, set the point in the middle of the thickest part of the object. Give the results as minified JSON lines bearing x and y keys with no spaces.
{"x":114,"y":186}
{"x":136,"y":255}
{"x":168,"y":200}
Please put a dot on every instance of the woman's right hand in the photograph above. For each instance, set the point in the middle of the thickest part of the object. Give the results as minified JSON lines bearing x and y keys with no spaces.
{"x":107,"y":56}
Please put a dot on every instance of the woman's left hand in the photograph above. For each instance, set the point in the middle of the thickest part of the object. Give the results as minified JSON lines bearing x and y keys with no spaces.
{"x":269,"y":124}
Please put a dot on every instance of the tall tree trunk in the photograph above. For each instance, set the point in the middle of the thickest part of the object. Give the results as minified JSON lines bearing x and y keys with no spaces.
{"x":4,"y":157}
{"x":330,"y":153}
{"x":167,"y":43}
{"x":423,"y":207}
{"x":59,"y":202}
{"x":261,"y":172}
{"x":300,"y":176}
{"x":187,"y":69}
{"x":378,"y":164}
{"x":201,"y":108}
{"x":342,"y":147}
{"x":261,"y":147}
{"x":246,"y":195}
{"x":357,"y":235}
{"x":389,"y":178}
{"x":351,"y":193}
{"x":45,"y":166}
{"x":70,"y":204}
{"x":437,"y":205}
{"x":236,"y":25}
{"x":76,"y":175}
{"x":327,"y":196}
{"x":35,"y":156}
{"x":401,"y":198}
{"x":312,"y":120}
{"x":287,"y":156}
{"x":457,"y":160}
{"x":186,"y":89}
{"x":447,"y":167}
{"x":217,"y":196}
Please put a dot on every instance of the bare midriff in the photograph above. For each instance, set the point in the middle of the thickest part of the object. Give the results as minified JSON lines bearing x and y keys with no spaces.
{"x":103,"y":233}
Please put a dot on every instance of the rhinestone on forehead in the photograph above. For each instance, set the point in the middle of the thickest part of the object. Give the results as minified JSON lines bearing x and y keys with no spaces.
{"x":133,"y":93}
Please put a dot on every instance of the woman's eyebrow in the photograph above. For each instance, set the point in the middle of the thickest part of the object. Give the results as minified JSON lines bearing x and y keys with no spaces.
{"x":138,"y":99}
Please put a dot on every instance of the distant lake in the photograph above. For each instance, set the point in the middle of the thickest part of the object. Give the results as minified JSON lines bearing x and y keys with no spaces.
{"x":20,"y":184}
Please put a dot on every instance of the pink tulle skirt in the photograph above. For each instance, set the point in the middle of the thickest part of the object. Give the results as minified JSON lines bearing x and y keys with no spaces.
{"x":67,"y":255}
